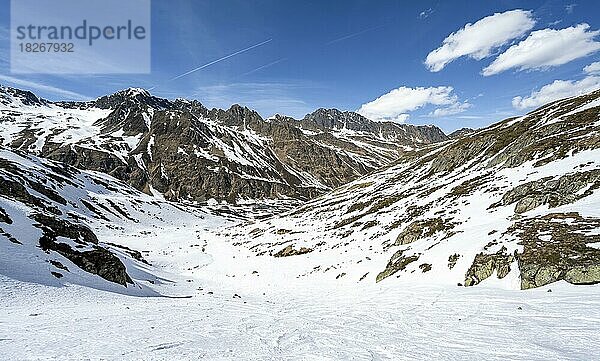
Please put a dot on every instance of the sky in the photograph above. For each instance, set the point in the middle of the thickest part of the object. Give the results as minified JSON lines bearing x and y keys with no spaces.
{"x":454,"y":64}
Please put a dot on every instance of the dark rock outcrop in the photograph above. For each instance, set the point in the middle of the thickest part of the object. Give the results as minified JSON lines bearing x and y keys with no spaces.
{"x":291,"y":251}
{"x":397,"y":263}
{"x":39,"y":188}
{"x":462,"y":132}
{"x":98,"y":260}
{"x":553,"y":192}
{"x":422,"y":228}
{"x":484,"y":265}
{"x":556,"y":247}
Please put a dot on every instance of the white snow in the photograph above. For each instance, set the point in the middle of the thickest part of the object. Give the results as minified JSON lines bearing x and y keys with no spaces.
{"x":214,"y":291}
{"x":311,"y":323}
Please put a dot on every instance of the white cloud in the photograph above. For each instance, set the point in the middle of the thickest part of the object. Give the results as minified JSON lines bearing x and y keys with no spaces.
{"x":451,"y":110}
{"x":593,"y":68}
{"x":395,"y":105}
{"x":401,"y":118}
{"x":546,"y":48}
{"x":479,"y":39}
{"x":425,"y":13}
{"x":558,"y":89}
{"x":64,"y":94}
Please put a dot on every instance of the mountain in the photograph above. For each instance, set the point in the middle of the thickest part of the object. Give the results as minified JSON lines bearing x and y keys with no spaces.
{"x":460,"y":133}
{"x":516,"y":202}
{"x":60,"y":226}
{"x":182,"y":151}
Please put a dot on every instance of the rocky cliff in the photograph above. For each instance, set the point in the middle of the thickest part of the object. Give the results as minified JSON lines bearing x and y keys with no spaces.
{"x":183,"y":151}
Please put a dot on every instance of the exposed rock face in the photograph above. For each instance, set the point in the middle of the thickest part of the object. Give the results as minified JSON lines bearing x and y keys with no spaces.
{"x":485,"y":265}
{"x":425,"y":267}
{"x":39,"y":190}
{"x":187,"y":152}
{"x":459,"y":133}
{"x":556,"y":247}
{"x":398,"y":262}
{"x":514,"y":141}
{"x":97,"y":260}
{"x":4,"y":217}
{"x":452,"y":259}
{"x":54,"y":227}
{"x":334,"y":119}
{"x":290,"y":251}
{"x":553,"y":192}
{"x":422,"y":229}
{"x":7,"y":95}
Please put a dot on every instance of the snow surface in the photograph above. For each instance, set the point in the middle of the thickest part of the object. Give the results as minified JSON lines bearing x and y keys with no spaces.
{"x":221,"y":302}
{"x":309,"y":323}
{"x":210,"y":293}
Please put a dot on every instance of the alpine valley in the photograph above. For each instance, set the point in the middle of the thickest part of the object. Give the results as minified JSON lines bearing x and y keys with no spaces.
{"x":136,"y":227}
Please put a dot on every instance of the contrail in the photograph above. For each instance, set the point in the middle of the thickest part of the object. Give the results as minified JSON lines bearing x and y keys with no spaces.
{"x":220,"y":59}
{"x":264,"y":66}
{"x":354,"y":34}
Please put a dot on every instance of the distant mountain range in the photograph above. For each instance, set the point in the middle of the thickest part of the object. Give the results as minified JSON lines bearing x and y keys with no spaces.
{"x":183,"y":151}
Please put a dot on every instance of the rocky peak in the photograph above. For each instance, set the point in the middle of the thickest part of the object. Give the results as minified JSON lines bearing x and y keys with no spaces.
{"x":279,"y":118}
{"x":459,"y":133}
{"x":236,"y":115}
{"x":10,"y":95}
{"x":334,"y":119}
{"x":337,"y":119}
{"x":131,"y":97}
{"x":192,"y":106}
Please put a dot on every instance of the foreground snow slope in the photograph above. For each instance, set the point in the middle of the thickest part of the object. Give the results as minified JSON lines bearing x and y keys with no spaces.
{"x":312,"y":323}
{"x":60,"y":226}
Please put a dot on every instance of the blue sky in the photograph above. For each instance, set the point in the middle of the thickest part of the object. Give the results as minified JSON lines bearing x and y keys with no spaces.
{"x":346,"y":54}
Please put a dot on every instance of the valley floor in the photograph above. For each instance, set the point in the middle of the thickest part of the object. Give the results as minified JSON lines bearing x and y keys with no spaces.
{"x":319,"y":322}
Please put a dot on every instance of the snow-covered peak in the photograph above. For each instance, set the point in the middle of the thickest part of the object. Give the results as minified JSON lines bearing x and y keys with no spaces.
{"x":12,"y":98}
{"x":131,"y":97}
{"x":134,"y":92}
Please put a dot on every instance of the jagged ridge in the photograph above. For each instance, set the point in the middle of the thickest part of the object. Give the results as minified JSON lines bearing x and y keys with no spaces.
{"x":183,"y":151}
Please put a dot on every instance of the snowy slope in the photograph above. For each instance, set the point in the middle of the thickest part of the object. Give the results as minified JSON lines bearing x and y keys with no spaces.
{"x":499,"y":202}
{"x":512,"y":206}
{"x":57,"y":221}
{"x":312,"y":323}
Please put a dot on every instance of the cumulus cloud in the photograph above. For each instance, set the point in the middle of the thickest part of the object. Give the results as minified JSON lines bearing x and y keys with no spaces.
{"x":478,"y":40}
{"x":395,"y":105}
{"x":558,"y":89}
{"x":546,"y":48}
{"x":593,"y":68}
{"x":451,"y":110}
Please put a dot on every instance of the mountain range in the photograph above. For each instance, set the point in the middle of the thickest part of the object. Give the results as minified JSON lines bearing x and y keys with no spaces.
{"x":98,"y":193}
{"x":184,"y":152}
